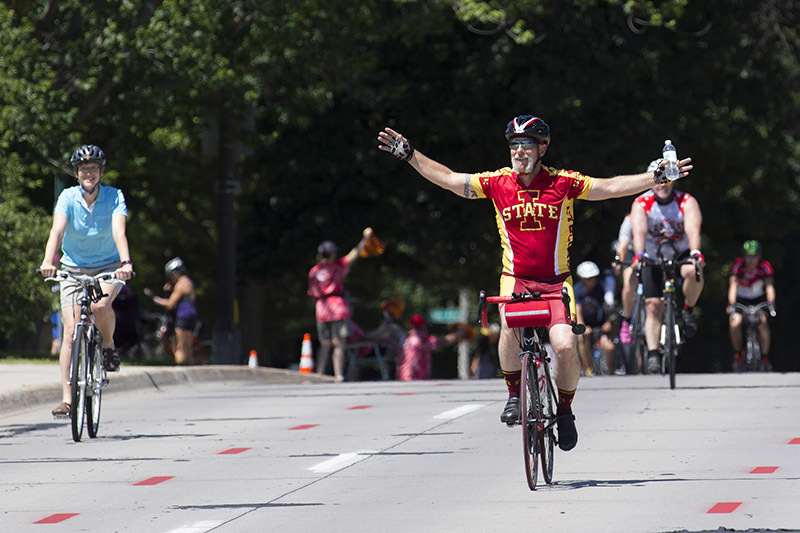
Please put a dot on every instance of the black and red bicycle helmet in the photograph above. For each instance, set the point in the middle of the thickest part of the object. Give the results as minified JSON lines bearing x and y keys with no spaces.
{"x":529,"y":126}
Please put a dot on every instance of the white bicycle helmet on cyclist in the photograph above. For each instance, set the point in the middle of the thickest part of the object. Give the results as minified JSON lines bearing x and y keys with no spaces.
{"x":588,"y":269}
{"x":173,"y":266}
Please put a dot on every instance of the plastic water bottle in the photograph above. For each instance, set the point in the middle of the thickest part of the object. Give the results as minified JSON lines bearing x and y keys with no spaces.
{"x":671,"y":155}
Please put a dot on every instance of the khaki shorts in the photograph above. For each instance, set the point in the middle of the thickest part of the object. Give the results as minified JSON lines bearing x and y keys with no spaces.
{"x":71,"y":289}
{"x":336,"y":329}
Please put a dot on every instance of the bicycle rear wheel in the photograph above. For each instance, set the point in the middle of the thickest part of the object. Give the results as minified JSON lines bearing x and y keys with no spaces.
{"x":94,"y":390}
{"x":638,"y":340}
{"x":529,"y":417}
{"x":547,"y":420}
{"x":77,"y":382}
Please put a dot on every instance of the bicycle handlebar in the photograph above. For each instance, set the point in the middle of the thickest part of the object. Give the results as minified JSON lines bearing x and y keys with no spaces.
{"x":84,"y":279}
{"x":753,"y":309}
{"x":577,"y":329}
{"x":661,"y":261}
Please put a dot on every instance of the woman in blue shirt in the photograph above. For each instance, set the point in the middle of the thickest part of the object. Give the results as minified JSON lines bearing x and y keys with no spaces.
{"x":89,"y":226}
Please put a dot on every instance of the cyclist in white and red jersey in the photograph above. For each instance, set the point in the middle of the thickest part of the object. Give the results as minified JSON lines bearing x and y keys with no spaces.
{"x":534,"y":214}
{"x":326,"y":286}
{"x":750,"y":283}
{"x":659,"y":215}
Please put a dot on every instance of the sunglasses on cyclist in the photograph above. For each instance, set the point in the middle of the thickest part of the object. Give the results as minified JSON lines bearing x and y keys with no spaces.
{"x":527,"y":144}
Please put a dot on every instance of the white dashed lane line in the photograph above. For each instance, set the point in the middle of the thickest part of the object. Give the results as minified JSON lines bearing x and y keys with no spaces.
{"x":459,"y":411}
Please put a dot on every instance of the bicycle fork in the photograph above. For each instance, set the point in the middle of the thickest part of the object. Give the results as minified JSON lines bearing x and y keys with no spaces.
{"x":669,"y":289}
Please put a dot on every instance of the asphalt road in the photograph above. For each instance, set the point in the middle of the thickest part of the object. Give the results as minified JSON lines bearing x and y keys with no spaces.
{"x":721,"y":451}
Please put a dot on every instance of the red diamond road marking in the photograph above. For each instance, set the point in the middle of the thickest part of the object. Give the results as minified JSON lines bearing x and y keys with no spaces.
{"x":795,"y":441}
{"x":724,"y":507}
{"x":405,"y":394}
{"x":56,"y":518}
{"x":305,"y":426}
{"x":355,"y":407}
{"x":153,"y":480}
{"x":764,"y":470}
{"x":233,"y":451}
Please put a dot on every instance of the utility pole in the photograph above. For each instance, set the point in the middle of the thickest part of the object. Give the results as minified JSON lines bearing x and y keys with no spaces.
{"x":226,"y":340}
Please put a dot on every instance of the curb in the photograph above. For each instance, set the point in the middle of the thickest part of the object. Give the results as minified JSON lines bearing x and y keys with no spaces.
{"x":138,"y":378}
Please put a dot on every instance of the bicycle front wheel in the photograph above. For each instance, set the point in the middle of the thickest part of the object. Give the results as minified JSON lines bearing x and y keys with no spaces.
{"x":670,"y":341}
{"x":77,"y":382}
{"x":529,"y":416}
{"x":95,"y":388}
{"x":753,"y":357}
{"x":547,"y":420}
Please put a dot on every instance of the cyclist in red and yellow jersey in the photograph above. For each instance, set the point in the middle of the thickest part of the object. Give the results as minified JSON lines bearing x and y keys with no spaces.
{"x":534,"y":214}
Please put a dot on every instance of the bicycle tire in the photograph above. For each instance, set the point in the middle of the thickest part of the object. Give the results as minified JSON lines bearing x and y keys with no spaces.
{"x":670,"y":342}
{"x":77,"y":382}
{"x":529,"y":415}
{"x":547,"y":438}
{"x":753,"y":356}
{"x":638,"y":339}
{"x":95,"y":388}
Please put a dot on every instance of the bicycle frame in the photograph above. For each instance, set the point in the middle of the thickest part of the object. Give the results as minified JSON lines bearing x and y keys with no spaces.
{"x":751,"y":319}
{"x":538,"y":393}
{"x":87,"y":375}
{"x":671,"y":333}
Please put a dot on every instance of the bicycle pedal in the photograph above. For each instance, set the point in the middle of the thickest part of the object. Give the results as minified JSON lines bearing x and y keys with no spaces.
{"x":61,"y":417}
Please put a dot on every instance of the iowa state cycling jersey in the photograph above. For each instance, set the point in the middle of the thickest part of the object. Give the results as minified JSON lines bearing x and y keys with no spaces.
{"x":751,"y":282}
{"x":664,"y":223}
{"x":534,"y":221}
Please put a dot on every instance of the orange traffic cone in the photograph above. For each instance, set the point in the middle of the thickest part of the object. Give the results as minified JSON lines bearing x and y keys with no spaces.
{"x":306,"y":356}
{"x":253,"y":362}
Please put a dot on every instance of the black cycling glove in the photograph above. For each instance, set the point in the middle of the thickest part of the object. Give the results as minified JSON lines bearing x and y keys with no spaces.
{"x":401,"y":149}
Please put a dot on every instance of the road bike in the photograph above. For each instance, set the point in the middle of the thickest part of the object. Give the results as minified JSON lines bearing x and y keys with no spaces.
{"x":751,"y":318}
{"x":671,"y":333}
{"x":158,"y":337}
{"x":87,"y":376}
{"x":528,"y":314}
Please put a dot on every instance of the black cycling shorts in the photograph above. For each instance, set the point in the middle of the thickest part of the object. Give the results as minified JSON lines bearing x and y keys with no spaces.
{"x":653,"y":280}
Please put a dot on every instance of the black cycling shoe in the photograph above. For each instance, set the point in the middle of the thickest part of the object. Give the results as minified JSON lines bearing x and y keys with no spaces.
{"x":110,"y":359}
{"x":654,"y":365}
{"x":689,"y":323}
{"x":567,"y":432}
{"x":510,"y":414}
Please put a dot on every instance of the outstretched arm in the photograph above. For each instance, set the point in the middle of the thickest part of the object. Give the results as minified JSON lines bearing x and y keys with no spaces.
{"x":627,"y":185}
{"x":438,"y":174}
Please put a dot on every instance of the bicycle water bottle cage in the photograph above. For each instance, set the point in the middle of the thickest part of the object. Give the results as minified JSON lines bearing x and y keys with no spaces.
{"x":533,"y":313}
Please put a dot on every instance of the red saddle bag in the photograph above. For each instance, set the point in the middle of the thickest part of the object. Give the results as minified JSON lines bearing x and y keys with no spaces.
{"x":532,"y":313}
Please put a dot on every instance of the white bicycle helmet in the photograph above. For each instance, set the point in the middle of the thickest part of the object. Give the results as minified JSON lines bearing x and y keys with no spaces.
{"x":588,"y":269}
{"x":174,"y":265}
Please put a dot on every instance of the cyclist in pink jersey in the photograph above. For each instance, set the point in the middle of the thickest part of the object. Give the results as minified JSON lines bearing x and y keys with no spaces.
{"x":534,"y":214}
{"x":750,"y":283}
{"x":659,"y":215}
{"x":326,"y":286}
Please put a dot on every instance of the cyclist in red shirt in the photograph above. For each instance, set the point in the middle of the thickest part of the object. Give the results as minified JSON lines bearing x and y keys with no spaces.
{"x":326,"y":286}
{"x":534,"y":214}
{"x":750,"y":283}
